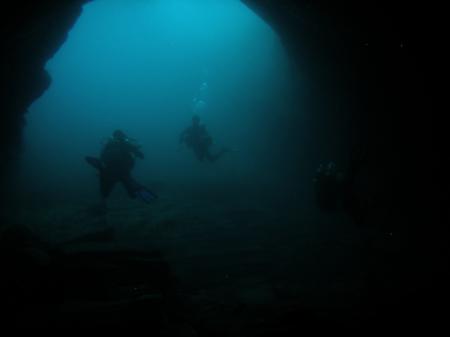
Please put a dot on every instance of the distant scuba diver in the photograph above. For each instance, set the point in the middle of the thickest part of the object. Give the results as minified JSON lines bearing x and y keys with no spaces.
{"x":328,"y":187}
{"x":115,"y":165}
{"x":197,"y":138}
{"x":337,"y":190}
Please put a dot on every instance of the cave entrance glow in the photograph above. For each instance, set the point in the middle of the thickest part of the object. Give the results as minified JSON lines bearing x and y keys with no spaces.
{"x":147,"y":67}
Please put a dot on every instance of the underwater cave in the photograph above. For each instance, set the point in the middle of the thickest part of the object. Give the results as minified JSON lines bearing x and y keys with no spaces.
{"x":218,"y":168}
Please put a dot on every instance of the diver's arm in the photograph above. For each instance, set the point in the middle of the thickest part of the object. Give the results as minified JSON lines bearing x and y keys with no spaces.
{"x":137,"y":152}
{"x":135,"y":149}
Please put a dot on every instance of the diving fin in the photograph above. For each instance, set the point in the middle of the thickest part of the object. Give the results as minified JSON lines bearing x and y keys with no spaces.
{"x":145,"y":195}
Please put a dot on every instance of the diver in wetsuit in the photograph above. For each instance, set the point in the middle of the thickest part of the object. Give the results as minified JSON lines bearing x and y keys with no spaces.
{"x":115,"y":164}
{"x":336,"y":190}
{"x":197,"y":138}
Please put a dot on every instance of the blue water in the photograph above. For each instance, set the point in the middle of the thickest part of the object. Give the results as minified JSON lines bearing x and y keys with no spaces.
{"x":146,"y":67}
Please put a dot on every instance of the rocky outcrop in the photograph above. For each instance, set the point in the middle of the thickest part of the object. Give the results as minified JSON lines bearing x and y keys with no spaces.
{"x":369,"y":68}
{"x":31,"y":34}
{"x":49,"y":288}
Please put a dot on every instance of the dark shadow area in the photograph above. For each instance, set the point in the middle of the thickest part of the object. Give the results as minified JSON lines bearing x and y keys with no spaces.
{"x":44,"y":286}
{"x":367,"y":248}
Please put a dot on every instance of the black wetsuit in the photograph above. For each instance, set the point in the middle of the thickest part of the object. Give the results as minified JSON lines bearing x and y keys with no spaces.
{"x":197,"y":138}
{"x":117,"y":159}
{"x":328,"y":191}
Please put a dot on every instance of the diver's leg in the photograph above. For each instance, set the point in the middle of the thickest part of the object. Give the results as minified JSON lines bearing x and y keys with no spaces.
{"x":131,"y":186}
{"x":106,"y":185}
{"x":210,"y":157}
{"x":136,"y":190}
{"x":199,"y":153}
{"x":214,"y":157}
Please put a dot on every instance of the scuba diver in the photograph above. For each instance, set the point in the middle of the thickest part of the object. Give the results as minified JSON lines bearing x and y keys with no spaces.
{"x":328,"y":186}
{"x":336,"y":190}
{"x":115,"y":165}
{"x":197,"y":138}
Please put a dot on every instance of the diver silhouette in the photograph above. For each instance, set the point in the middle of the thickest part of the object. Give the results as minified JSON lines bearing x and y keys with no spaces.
{"x":197,"y":138}
{"x":116,"y":161}
{"x":336,"y":190}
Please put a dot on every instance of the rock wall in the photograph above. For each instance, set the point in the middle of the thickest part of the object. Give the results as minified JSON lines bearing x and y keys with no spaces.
{"x":371,"y":69}
{"x":32,"y":31}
